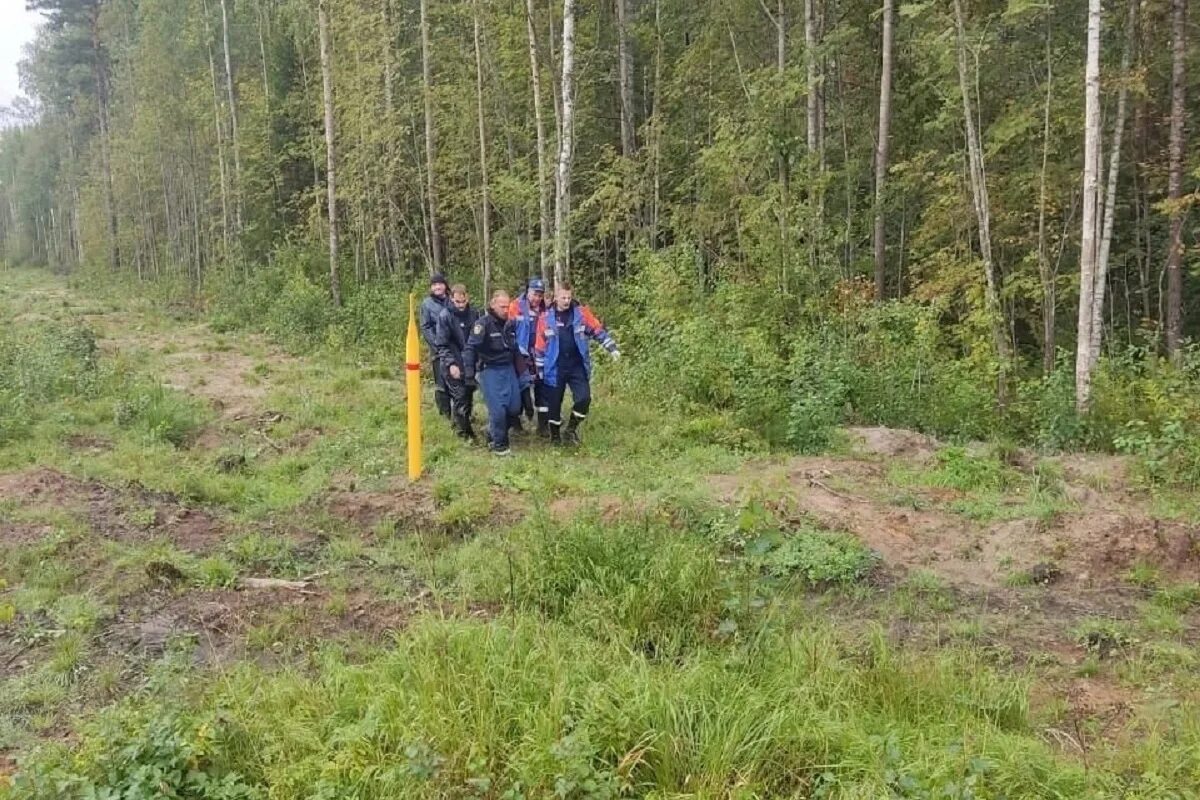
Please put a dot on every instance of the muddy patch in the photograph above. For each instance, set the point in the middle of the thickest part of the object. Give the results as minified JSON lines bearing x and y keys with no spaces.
{"x":131,"y":514}
{"x":225,"y":625}
{"x":1093,"y":545}
{"x":401,"y":508}
{"x":892,"y":443}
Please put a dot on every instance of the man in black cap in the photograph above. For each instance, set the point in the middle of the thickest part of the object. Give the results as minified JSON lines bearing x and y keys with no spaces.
{"x":431,"y":308}
{"x":454,"y":326}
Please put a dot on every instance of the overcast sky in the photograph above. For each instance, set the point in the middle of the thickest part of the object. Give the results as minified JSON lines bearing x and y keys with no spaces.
{"x":17,"y":27}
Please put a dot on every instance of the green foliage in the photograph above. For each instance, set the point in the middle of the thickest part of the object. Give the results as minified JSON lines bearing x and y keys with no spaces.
{"x":529,"y":708}
{"x":133,"y":753}
{"x":819,"y":557}
{"x":957,"y":468}
{"x":639,"y":582}
{"x":40,"y":364}
{"x":159,"y":413}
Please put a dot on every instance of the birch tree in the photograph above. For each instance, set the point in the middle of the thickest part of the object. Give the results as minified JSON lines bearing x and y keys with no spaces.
{"x":1179,"y":9}
{"x":431,"y":190}
{"x":330,"y":151}
{"x":625,"y":68}
{"x":1089,"y":246}
{"x":485,"y":203}
{"x":535,"y":74}
{"x":1109,"y":202}
{"x":881,"y":149}
{"x":233,"y":120}
{"x":562,"y":204}
{"x":981,"y":202}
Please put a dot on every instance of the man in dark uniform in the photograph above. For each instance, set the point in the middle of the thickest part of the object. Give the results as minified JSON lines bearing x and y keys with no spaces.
{"x":431,"y":307}
{"x":453,"y":329}
{"x":525,"y":311}
{"x":491,"y":354}
{"x":563,"y":360}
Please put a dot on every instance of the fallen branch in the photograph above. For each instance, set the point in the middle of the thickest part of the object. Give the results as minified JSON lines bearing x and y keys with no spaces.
{"x":273,"y":583}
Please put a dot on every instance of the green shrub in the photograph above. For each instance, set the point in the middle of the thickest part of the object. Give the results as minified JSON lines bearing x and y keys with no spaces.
{"x":957,"y":468}
{"x":161,"y":414}
{"x":637,"y":582}
{"x":137,"y":753}
{"x":821,"y":557}
{"x":530,"y":709}
{"x":41,"y":364}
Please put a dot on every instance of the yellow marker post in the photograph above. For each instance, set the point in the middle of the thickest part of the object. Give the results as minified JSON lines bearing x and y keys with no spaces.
{"x":412,"y":372}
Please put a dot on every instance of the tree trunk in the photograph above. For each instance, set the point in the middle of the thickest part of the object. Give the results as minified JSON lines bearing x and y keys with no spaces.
{"x":1110,"y":195}
{"x":562,"y":207}
{"x":983,"y":211}
{"x":881,"y":149}
{"x":656,"y":210}
{"x":1175,"y":176}
{"x":1091,"y":199}
{"x":540,"y":123}
{"x":486,"y":208}
{"x":1049,"y":299}
{"x":330,"y":152}
{"x":220,"y":131}
{"x":815,"y":124}
{"x":110,"y":203}
{"x":625,"y":79}
{"x":233,"y":120}
{"x":435,"y":238}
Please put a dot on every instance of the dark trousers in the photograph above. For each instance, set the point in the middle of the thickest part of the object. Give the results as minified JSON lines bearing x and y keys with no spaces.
{"x":462,"y":402}
{"x":441,"y":397}
{"x":502,"y":393}
{"x":581,"y":394}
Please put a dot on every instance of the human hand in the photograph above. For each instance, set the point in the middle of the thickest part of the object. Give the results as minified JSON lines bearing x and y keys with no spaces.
{"x":455,"y":372}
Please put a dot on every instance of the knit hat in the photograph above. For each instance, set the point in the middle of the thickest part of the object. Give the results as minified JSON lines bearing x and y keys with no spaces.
{"x":437,"y":278}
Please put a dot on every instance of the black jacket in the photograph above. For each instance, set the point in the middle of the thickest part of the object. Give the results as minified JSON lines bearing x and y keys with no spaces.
{"x":492,"y":343}
{"x":451,"y":334}
{"x":431,"y":307}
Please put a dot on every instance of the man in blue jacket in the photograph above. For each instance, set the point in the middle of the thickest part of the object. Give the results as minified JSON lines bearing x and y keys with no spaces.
{"x":563,"y":360}
{"x":491,"y":355}
{"x":453,"y":329}
{"x":525,"y":312}
{"x":431,"y":307}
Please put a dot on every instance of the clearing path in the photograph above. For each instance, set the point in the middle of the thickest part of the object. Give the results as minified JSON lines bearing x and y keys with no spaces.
{"x":283,"y":523}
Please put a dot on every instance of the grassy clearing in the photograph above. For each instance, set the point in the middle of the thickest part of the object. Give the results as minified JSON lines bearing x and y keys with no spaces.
{"x":598,"y":626}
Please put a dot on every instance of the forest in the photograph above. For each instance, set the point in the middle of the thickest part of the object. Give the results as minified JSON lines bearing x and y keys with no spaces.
{"x":893,"y":492}
{"x":1003,"y":184}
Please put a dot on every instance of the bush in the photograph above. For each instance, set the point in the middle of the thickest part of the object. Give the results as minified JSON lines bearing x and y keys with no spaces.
{"x":637,"y":582}
{"x":41,"y":364}
{"x":159,"y":413}
{"x":821,"y":557}
{"x":137,"y":754}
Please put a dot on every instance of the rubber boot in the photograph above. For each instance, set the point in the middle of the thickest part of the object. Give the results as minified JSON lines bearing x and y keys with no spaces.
{"x":442,"y":400}
{"x":515,"y":427}
{"x":555,"y":433}
{"x":543,"y":424}
{"x":462,"y":427}
{"x":571,"y":434}
{"x":527,"y":402}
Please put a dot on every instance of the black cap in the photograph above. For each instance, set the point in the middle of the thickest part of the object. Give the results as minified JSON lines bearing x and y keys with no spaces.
{"x":437,"y":278}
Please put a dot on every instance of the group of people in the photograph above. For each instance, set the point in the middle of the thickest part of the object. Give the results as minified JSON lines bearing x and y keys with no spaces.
{"x":524,"y":354}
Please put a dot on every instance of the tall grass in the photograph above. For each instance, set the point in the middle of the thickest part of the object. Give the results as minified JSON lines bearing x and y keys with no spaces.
{"x":528,"y":708}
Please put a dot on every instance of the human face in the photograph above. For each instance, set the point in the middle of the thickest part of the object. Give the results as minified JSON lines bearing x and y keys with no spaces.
{"x":562,"y":299}
{"x":438,"y":289}
{"x":536,"y":297}
{"x":499,"y":305}
{"x":460,"y":300}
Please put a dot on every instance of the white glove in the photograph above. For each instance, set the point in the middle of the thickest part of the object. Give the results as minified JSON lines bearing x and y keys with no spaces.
{"x":616,"y":355}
